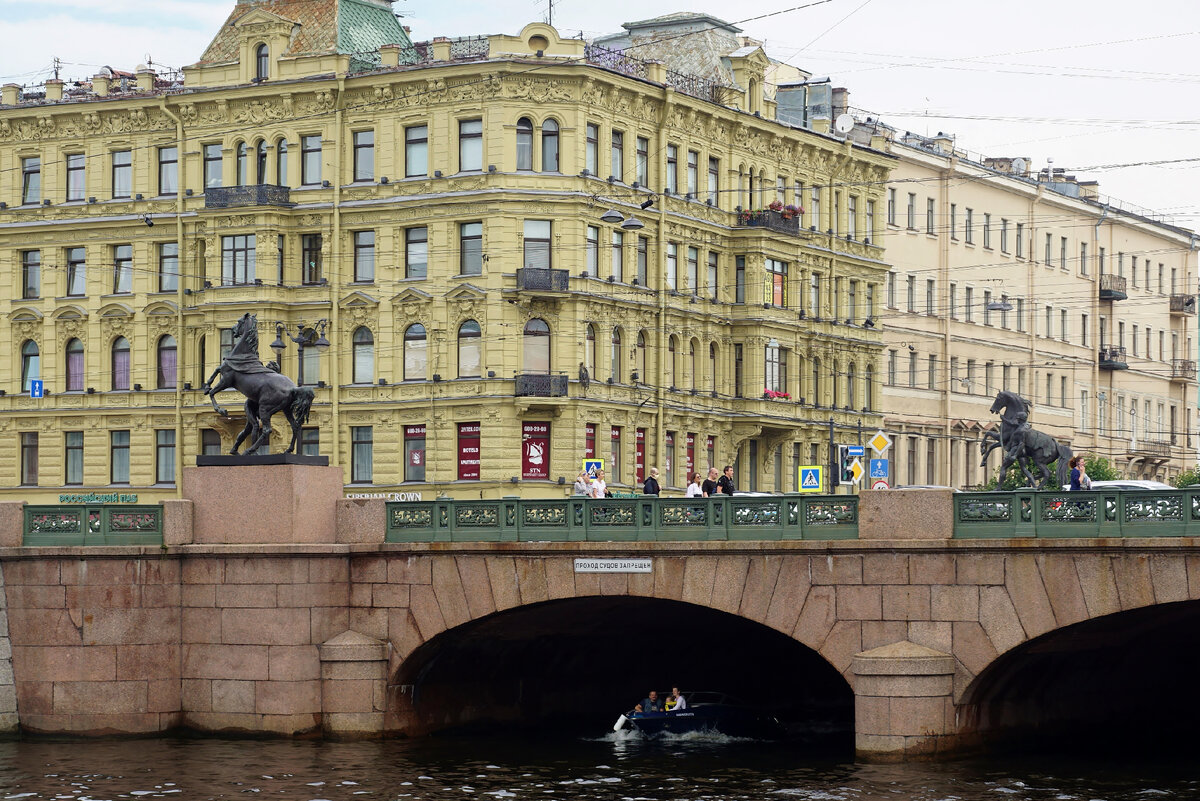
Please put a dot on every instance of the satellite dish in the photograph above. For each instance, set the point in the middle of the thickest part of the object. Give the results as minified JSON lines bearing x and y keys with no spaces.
{"x":1019,"y":166}
{"x":844,"y":123}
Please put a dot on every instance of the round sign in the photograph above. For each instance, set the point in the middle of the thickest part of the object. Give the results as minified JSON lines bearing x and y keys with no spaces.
{"x":879,"y":483}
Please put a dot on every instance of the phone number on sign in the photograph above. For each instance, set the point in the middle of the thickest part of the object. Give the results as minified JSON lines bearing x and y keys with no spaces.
{"x":612,"y":566}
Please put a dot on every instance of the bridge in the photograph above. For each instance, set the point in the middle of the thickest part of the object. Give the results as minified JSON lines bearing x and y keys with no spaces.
{"x":910,"y":623}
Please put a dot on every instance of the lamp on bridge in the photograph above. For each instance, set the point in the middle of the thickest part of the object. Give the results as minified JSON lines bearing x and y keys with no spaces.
{"x":306,"y":337}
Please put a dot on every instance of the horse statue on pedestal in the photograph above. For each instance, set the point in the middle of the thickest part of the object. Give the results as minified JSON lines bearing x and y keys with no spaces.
{"x":267,"y":390}
{"x":1022,"y":444}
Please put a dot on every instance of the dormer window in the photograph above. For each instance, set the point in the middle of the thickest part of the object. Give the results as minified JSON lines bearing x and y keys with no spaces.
{"x":261,"y":63}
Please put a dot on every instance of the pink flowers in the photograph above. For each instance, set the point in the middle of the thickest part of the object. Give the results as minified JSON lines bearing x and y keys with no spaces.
{"x":771,"y":394}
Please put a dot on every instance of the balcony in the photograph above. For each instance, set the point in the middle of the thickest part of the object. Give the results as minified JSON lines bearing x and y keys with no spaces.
{"x":1149,"y":449}
{"x":1183,"y":304}
{"x":771,"y":220}
{"x":542,"y":280}
{"x":1183,"y":369}
{"x":1112,"y":287}
{"x":231,"y":197}
{"x":540,"y":385}
{"x":1112,"y":358}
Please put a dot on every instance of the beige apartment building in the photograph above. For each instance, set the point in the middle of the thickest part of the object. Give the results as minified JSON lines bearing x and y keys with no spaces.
{"x":1033,"y":282}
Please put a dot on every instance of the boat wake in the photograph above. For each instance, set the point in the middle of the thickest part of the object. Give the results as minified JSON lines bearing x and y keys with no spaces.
{"x":633,"y":736}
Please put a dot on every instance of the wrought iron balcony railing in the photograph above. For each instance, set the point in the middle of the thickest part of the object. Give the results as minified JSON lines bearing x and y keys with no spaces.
{"x":540,"y":385}
{"x":542,"y":279}
{"x":1183,"y":304}
{"x":1112,"y":287}
{"x":228,"y":197}
{"x":771,"y":220}
{"x":1112,"y":357}
{"x":1183,"y":369}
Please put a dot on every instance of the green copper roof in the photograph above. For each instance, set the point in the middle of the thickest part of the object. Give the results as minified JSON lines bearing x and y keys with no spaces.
{"x":363,"y":26}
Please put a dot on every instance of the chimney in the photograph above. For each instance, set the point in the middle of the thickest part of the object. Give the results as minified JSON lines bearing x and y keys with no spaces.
{"x":841,"y":101}
{"x":54,"y":90}
{"x":389,"y":55}
{"x":145,"y":78}
{"x":101,"y":84}
{"x":10,"y":94}
{"x":1089,"y":190}
{"x":440,"y":48}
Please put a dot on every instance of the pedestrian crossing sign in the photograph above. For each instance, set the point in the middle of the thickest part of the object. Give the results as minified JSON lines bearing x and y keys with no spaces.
{"x":812,"y":478}
{"x":592,"y":466}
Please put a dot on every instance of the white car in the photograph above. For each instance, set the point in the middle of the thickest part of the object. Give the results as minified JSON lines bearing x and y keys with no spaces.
{"x":1127,"y":484}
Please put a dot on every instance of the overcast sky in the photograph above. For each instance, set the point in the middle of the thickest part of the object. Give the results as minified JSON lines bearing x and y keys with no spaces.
{"x":1093,"y":84}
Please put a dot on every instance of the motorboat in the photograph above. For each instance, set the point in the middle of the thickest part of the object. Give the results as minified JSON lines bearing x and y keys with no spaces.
{"x":705,"y":712}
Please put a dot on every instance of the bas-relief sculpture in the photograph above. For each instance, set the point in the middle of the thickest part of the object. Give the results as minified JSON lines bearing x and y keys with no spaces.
{"x":1022,"y":444}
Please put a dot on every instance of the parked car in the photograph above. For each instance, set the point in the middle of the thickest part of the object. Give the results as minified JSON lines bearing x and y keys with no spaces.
{"x":1127,"y":484}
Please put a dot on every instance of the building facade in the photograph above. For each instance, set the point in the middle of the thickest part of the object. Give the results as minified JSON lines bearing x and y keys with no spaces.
{"x":438,"y":214}
{"x":1004,"y":278}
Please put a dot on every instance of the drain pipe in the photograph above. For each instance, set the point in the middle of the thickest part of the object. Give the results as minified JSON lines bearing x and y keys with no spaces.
{"x":180,"y":341}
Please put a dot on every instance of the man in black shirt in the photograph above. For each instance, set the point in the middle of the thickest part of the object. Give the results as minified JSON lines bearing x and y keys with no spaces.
{"x":725,"y":482}
{"x":709,"y":487}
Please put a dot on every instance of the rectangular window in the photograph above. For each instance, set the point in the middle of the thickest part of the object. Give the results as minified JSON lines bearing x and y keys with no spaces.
{"x":210,"y":442}
{"x":777,"y":272}
{"x":362,"y":461}
{"x":593,"y":251}
{"x":1003,"y":235}
{"x":672,"y":168}
{"x":212,"y":166}
{"x":614,"y":465}
{"x":122,"y":269}
{"x":987,"y":302}
{"x":929,"y":297}
{"x":122,"y":174}
{"x":987,"y":230}
{"x":618,"y":256}
{"x":693,"y":174}
{"x":470,"y":248}
{"x":310,"y":442}
{"x":416,"y":252}
{"x":891,"y":206}
{"x":1083,"y":329}
{"x":31,"y":180}
{"x":470,"y":145}
{"x":912,"y":370}
{"x":930,"y":216}
{"x":738,"y":370}
{"x":468,"y":451}
{"x":852,"y":217}
{"x":869,"y":235}
{"x":168,"y":266}
{"x":537,"y":244}
{"x":911,"y":294}
{"x":714,"y":175}
{"x":931,"y":373}
{"x":168,"y":170}
{"x":968,"y":304}
{"x":954,"y":301}
{"x":310,"y":160}
{"x":164,"y":456}
{"x":1063,"y":330}
{"x":643,"y":261}
{"x":669,"y":462}
{"x":364,"y":156}
{"x":74,"y":457}
{"x":76,"y":178}
{"x":618,"y":155}
{"x":1049,"y":245}
{"x":1083,"y":258}
{"x":739,"y":279}
{"x":969,"y":227}
{"x":1020,"y":240}
{"x":912,"y":211}
{"x":712,"y":274}
{"x":1020,"y":314}
{"x":29,"y":458}
{"x":1049,"y":332}
{"x":416,"y":151}
{"x":891,"y":368}
{"x":310,"y":256}
{"x":693,"y":270}
{"x":1100,"y":258}
{"x":673,"y":266}
{"x":364,"y":256}
{"x":76,"y":272}
{"x":954,"y":221}
{"x":414,"y":453}
{"x":643,"y":161}
{"x":891,"y":290}
{"x":31,"y":273}
{"x":592,"y":148}
{"x":237,"y":259}
{"x":1062,"y":253}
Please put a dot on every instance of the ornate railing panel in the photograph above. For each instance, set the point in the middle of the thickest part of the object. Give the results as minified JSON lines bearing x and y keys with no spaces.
{"x":540,"y":385}
{"x":771,"y":220}
{"x":542,"y":279}
{"x":93,"y":525}
{"x":227,"y":197}
{"x":615,"y":60}
{"x":1093,"y":513}
{"x":637,"y":519}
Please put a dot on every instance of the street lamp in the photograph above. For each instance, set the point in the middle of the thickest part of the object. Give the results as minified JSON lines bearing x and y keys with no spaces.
{"x":306,"y":337}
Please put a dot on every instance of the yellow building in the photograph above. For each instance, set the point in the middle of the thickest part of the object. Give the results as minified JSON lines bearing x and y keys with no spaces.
{"x":439,"y":214}
{"x":1009,"y":278}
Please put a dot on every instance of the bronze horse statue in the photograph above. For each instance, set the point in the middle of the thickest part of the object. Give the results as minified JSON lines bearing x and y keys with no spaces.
{"x":267,"y":390}
{"x":1023,"y":445}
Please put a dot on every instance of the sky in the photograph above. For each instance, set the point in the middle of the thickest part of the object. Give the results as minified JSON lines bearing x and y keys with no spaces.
{"x":1108,"y":90}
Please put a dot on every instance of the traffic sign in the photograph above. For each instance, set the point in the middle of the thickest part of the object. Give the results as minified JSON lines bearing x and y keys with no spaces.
{"x":856,"y":470}
{"x":879,"y":468}
{"x":37,"y":388}
{"x":591,"y":466}
{"x":812,"y":478}
{"x":880,"y":442}
{"x":855,"y":450}
{"x":880,"y":484}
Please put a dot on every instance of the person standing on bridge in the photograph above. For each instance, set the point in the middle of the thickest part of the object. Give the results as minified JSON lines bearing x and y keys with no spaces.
{"x":709,"y":486}
{"x":725,"y":482}
{"x":651,"y":486}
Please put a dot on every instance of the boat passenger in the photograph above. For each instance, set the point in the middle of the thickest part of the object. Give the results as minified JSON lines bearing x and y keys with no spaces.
{"x":650,"y":703}
{"x":676,"y":702}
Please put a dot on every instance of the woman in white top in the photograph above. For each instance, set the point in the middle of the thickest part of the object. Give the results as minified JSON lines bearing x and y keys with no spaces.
{"x":694,"y":489}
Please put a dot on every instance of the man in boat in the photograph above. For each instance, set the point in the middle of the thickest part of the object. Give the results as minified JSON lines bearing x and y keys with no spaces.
{"x":650,"y":703}
{"x":676,"y":702}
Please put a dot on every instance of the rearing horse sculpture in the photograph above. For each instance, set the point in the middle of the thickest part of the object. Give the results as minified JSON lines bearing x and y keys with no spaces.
{"x":267,"y":391}
{"x":1023,"y":445}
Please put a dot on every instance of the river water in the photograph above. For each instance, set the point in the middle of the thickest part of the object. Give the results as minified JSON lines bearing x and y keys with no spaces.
{"x":605,"y":768}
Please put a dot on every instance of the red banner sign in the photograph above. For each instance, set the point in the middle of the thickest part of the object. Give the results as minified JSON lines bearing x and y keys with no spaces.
{"x":468,"y":451}
{"x":535,"y":451}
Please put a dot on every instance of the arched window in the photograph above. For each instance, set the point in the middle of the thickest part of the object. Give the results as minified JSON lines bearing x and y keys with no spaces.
{"x":281,"y":163}
{"x":414,"y":353}
{"x":120,"y":364}
{"x":241,"y":164}
{"x":260,"y":162}
{"x":712,"y":367}
{"x":537,"y":346}
{"x":549,"y":146}
{"x":869,"y":388}
{"x":31,"y":364}
{"x":851,"y":378}
{"x":816,"y":381}
{"x":589,"y":351}
{"x":672,"y":347}
{"x":74,"y":366}
{"x":615,"y":359}
{"x":524,"y":144}
{"x":469,"y":351}
{"x":364,"y":356}
{"x":262,"y":62}
{"x":641,"y":356}
{"x":692,"y":364}
{"x":166,"y":362}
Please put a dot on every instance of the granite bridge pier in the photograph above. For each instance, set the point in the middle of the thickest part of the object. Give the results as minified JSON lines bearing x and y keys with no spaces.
{"x":920,"y":623}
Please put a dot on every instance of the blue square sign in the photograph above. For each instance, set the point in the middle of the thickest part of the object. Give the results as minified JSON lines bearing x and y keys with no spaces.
{"x":811,"y":478}
{"x":37,"y":388}
{"x":879,"y":469}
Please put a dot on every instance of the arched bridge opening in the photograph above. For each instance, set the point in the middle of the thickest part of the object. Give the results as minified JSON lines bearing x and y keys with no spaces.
{"x":572,"y":666}
{"x":1120,"y":683}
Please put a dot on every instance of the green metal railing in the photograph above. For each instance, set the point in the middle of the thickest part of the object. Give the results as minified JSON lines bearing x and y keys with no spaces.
{"x":1094,"y":513}
{"x":93,"y":525}
{"x":640,"y":519}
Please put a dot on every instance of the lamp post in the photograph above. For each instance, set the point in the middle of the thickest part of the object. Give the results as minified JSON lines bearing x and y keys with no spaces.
{"x":306,"y":337}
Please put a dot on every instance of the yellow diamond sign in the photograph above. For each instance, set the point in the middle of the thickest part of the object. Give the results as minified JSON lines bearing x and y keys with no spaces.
{"x":880,"y":442}
{"x":856,"y":470}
